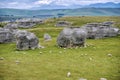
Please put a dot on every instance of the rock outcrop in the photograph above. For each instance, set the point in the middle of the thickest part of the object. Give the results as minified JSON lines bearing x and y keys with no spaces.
{"x":24,"y":23}
{"x":11,"y":26}
{"x":6,"y":36}
{"x":28,"y":23}
{"x":101,"y":30}
{"x":26,"y":40}
{"x":71,"y":37}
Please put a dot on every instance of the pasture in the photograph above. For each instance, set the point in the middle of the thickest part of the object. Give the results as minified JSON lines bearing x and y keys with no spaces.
{"x":100,"y":59}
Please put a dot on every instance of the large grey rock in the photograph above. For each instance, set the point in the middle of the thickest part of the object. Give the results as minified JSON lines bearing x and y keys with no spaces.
{"x":72,"y":37}
{"x":101,"y":30}
{"x":108,"y":23}
{"x":64,"y":38}
{"x":28,"y":23}
{"x":6,"y":36}
{"x":91,"y":29}
{"x":113,"y":32}
{"x":23,"y":23}
{"x":26,"y":40}
{"x":11,"y":26}
{"x":47,"y":37}
{"x":79,"y":37}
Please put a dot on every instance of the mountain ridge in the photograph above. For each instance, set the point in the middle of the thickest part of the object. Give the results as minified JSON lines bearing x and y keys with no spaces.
{"x":66,"y":12}
{"x":74,"y":6}
{"x":105,"y":5}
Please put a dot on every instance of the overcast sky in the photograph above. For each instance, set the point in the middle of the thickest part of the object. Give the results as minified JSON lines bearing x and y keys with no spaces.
{"x":27,"y":4}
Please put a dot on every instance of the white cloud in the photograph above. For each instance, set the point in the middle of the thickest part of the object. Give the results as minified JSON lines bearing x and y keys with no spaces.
{"x":87,"y":2}
{"x":70,"y":2}
{"x":39,"y":2}
{"x":13,"y":3}
{"x":98,"y":1}
{"x":27,"y":4}
{"x":16,"y":5}
{"x":65,"y":2}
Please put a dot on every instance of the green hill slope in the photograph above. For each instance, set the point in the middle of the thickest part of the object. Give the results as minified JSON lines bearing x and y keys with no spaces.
{"x":66,"y":12}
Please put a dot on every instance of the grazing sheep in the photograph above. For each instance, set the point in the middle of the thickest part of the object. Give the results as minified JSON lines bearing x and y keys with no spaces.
{"x":17,"y":61}
{"x":110,"y":55}
{"x":1,"y":58}
{"x":68,"y":74}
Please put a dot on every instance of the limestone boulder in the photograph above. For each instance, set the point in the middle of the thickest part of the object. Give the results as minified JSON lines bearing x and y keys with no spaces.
{"x":101,"y":30}
{"x":6,"y":36}
{"x":79,"y":37}
{"x":72,"y":37}
{"x":11,"y":26}
{"x":28,"y":22}
{"x":26,"y":40}
{"x":64,"y":38}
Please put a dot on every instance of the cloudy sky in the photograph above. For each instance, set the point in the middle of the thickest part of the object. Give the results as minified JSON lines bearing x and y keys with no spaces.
{"x":28,"y":4}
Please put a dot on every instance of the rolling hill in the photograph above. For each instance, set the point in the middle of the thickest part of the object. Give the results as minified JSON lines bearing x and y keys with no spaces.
{"x":46,"y":13}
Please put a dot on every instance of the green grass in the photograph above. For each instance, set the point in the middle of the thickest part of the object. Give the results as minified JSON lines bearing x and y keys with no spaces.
{"x":2,"y":25}
{"x":53,"y":63}
{"x":80,"y":21}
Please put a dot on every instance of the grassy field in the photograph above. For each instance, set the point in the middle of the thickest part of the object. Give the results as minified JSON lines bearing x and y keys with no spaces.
{"x":53,"y":63}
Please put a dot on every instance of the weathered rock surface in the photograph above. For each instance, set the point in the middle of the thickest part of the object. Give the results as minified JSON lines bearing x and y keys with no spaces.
{"x":6,"y":36}
{"x":28,"y":23}
{"x":71,"y":37}
{"x":23,"y":23}
{"x":11,"y":26}
{"x":101,"y":30}
{"x":26,"y":40}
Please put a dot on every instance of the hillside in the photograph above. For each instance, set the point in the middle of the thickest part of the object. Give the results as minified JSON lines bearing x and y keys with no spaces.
{"x":66,"y":12}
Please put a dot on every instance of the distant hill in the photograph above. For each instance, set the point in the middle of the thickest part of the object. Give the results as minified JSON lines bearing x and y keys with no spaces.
{"x":56,"y":12}
{"x":54,"y":5}
{"x":105,"y":5}
{"x":67,"y":12}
